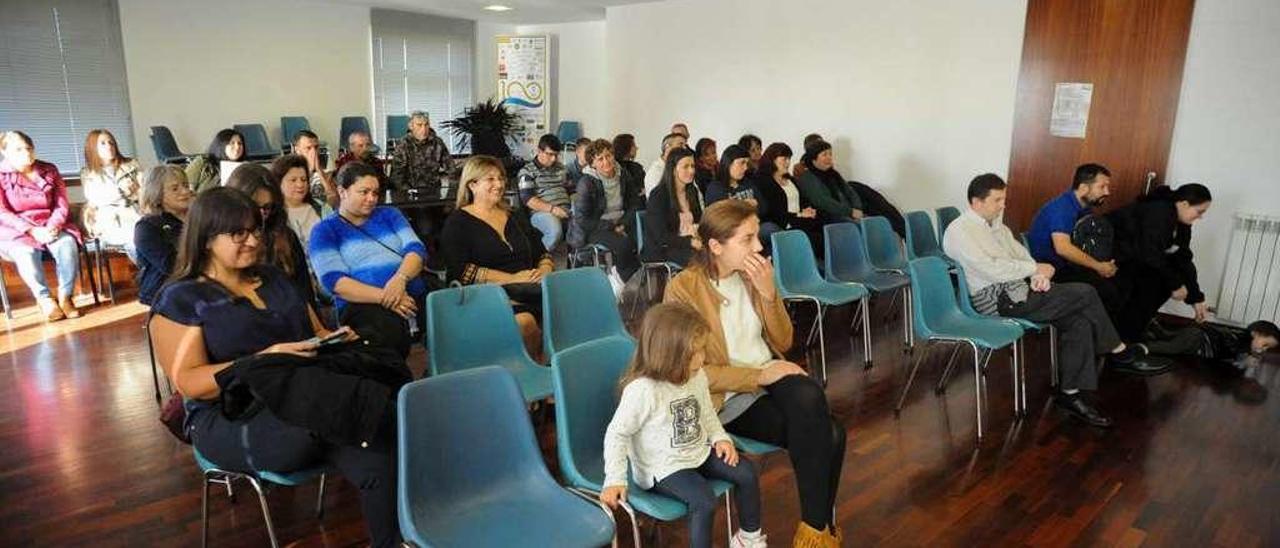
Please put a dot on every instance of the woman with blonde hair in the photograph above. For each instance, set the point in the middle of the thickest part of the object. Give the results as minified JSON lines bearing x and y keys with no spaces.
{"x":484,"y":241}
{"x":110,"y":183}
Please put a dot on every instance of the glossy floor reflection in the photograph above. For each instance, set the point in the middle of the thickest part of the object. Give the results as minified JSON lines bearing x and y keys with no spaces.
{"x":1191,"y":462}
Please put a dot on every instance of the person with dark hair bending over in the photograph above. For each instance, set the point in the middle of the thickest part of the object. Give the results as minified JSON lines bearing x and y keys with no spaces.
{"x":484,"y":242}
{"x":204,"y":170}
{"x":758,"y":394}
{"x":223,"y":313}
{"x":166,"y":196}
{"x":33,"y":219}
{"x":280,"y":247}
{"x":1004,"y":280}
{"x":370,"y":260}
{"x":673,"y":212}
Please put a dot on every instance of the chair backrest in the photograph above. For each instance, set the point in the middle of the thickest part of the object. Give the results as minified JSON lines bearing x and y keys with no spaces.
{"x":585,"y":380}
{"x":569,"y":131}
{"x":945,"y":216}
{"x":255,"y":139}
{"x":933,"y":298}
{"x":472,"y":326}
{"x":166,"y":147}
{"x":350,"y":124}
{"x":883,"y":246}
{"x":290,"y":126}
{"x":921,"y":241}
{"x":463,"y":438}
{"x":963,"y":300}
{"x":397,"y":126}
{"x":578,"y":306}
{"x":794,"y":265}
{"x":845,"y":253}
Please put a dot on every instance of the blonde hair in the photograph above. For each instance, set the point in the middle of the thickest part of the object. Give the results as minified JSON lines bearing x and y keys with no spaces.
{"x":669,"y":336}
{"x":476,"y":167}
{"x":719,"y":221}
{"x":153,"y":182}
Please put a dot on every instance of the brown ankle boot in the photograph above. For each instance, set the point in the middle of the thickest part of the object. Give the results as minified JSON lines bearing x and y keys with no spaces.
{"x":68,"y":307}
{"x":52,"y":312}
{"x":808,"y":537}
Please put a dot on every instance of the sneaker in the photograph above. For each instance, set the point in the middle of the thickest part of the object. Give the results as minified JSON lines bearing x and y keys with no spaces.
{"x":742,"y":540}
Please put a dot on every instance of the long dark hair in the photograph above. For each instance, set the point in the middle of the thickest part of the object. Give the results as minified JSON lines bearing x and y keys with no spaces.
{"x":1191,"y":193}
{"x":701,"y":148}
{"x":219,"y":210}
{"x":731,"y":153}
{"x":277,"y":249}
{"x":218,"y":147}
{"x":776,"y":150}
{"x":668,"y":180}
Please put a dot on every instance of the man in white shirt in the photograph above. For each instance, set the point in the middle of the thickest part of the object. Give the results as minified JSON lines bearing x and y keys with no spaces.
{"x":1005,"y":280}
{"x":654,"y":175}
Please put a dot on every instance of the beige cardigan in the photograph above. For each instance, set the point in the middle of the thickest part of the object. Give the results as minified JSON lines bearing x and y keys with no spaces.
{"x":693,"y":287}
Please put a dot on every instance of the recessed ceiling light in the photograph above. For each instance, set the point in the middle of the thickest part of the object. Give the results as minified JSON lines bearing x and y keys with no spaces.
{"x":498,"y":7}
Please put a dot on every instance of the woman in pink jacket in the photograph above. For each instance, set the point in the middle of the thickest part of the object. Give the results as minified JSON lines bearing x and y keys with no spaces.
{"x":33,"y":219}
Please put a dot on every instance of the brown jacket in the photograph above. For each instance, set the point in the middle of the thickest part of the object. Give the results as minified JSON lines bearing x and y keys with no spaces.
{"x":693,"y":287}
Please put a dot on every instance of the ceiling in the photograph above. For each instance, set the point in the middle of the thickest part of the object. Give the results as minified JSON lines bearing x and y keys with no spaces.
{"x":525,"y":12}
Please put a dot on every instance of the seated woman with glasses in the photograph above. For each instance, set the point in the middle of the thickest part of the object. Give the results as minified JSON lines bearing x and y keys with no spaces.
{"x":280,"y":246}
{"x":226,"y":315}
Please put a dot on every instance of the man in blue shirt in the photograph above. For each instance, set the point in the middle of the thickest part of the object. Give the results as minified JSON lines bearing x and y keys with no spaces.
{"x":1050,"y":234}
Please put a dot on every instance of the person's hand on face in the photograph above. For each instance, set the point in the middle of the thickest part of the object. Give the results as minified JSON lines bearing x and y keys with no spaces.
{"x":759,"y":271}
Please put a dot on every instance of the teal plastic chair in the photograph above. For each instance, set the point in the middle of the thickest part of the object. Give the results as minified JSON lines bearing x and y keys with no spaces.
{"x":474,"y":326}
{"x":256,"y":144}
{"x":577,"y":307}
{"x":471,"y":472}
{"x":945,"y":216}
{"x":668,"y":267}
{"x":938,"y":318}
{"x":586,"y":389}
{"x":350,"y":124}
{"x":397,"y":126}
{"x":884,"y":250}
{"x":921,"y":240}
{"x":214,"y":474}
{"x":966,"y":306}
{"x":847,"y":262}
{"x":569,"y":131}
{"x":795,"y":272}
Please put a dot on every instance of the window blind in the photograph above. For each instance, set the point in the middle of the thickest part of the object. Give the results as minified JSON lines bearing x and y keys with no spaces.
{"x":420,"y":62}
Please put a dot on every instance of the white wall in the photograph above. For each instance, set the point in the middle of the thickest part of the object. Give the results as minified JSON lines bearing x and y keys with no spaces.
{"x":577,"y":74}
{"x":1227,"y":133}
{"x":486,"y":65}
{"x":197,"y":66}
{"x":917,"y":97}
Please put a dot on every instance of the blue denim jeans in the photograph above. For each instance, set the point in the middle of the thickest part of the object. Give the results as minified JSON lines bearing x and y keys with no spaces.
{"x":30,"y":263}
{"x":551,"y":227}
{"x":692,"y":487}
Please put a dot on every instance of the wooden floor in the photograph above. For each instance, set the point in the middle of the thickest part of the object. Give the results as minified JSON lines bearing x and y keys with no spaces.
{"x":1193,"y":461}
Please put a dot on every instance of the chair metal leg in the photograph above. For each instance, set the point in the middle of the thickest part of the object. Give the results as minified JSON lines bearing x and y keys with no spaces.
{"x":822,"y":342}
{"x":4,"y":296}
{"x":978,"y":368}
{"x":320,"y":499}
{"x":1053,"y":356}
{"x":728,"y":515}
{"x":204,"y":513}
{"x":911,"y":377}
{"x":866,"y":331}
{"x":1017,"y":379}
{"x":635,"y":524}
{"x":941,"y":387}
{"x":266,"y":511}
{"x":151,"y":350}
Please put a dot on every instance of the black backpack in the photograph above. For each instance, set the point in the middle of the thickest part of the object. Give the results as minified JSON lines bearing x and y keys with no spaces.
{"x":1094,"y":235}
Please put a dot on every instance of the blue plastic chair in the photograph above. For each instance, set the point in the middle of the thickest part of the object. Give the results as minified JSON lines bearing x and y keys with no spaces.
{"x":569,"y":132}
{"x":670,"y":268}
{"x":586,"y":386}
{"x":474,"y":326}
{"x":847,"y":262}
{"x":921,"y":241}
{"x":884,"y":250}
{"x":256,"y":144}
{"x":945,"y":216}
{"x":938,"y":318}
{"x":397,"y":126}
{"x":213,"y":474}
{"x":166,"y":147}
{"x":471,"y":472}
{"x":966,"y":306}
{"x":796,"y":274}
{"x":577,"y":307}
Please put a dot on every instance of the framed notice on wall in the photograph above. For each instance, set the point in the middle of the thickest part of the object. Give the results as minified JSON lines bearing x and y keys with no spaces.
{"x":1070,"y":115}
{"x":523,"y":86}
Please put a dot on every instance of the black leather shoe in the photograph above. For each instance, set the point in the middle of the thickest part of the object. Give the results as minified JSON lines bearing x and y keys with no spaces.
{"x":1144,"y":367}
{"x":1075,"y":406}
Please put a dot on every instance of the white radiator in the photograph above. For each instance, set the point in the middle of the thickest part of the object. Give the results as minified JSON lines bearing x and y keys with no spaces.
{"x":1250,"y":286}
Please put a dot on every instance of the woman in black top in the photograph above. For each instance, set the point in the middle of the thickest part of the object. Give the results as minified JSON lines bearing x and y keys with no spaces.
{"x":280,"y":246}
{"x":674,"y":210}
{"x":780,"y":205}
{"x":705,"y":161}
{"x":485,"y":242}
{"x":224,"y":311}
{"x":165,"y":198}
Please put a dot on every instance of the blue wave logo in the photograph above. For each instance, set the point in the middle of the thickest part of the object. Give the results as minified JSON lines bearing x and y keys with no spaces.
{"x":521,"y":102}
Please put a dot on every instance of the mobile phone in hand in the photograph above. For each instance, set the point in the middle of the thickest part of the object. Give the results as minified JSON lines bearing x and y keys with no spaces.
{"x":335,"y":337}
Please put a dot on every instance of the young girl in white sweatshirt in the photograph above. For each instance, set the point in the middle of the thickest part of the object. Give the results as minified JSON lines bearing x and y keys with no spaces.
{"x":665,"y":424}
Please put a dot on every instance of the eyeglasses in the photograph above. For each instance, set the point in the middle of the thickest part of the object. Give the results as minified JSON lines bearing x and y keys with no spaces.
{"x":242,"y":236}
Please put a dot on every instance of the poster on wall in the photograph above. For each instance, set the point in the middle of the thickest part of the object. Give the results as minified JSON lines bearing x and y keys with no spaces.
{"x":523,"y":84}
{"x":1070,"y":110}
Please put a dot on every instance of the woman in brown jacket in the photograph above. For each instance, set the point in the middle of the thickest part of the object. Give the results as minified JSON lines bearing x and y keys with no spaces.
{"x":758,"y":394}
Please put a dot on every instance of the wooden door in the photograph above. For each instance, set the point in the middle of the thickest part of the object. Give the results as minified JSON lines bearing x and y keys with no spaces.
{"x":1132,"y":51}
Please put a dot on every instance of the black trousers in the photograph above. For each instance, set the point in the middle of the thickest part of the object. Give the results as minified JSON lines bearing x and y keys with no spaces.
{"x":382,"y":327}
{"x":794,"y":414}
{"x":1132,"y":297}
{"x":1084,"y":330}
{"x":263,"y":442}
{"x":622,"y":247}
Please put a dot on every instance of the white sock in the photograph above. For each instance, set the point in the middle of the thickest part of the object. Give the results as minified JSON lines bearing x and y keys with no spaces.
{"x":749,"y":534}
{"x":1071,"y":391}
